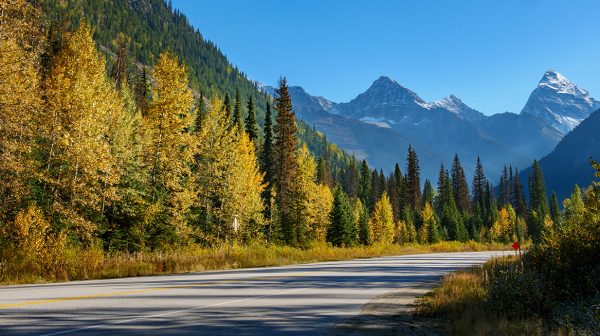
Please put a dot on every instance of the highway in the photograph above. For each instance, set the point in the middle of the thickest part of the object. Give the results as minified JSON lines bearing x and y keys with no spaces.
{"x":306,"y":299}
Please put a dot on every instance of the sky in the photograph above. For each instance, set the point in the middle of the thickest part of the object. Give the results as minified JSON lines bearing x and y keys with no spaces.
{"x":490,"y":54}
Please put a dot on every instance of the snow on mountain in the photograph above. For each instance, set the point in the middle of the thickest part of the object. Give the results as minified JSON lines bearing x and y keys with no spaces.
{"x":559,"y":102}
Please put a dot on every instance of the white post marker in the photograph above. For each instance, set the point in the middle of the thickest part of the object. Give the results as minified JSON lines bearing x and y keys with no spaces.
{"x":236,"y":224}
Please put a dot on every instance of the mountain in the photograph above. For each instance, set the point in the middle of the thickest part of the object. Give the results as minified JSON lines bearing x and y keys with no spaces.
{"x":446,"y":127}
{"x":524,"y":133}
{"x":569,"y":163}
{"x":380,"y":146}
{"x":559,"y":102}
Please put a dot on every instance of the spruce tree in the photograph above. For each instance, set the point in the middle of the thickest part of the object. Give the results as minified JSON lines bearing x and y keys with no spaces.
{"x":555,"y":211}
{"x":237,"y":112}
{"x":227,"y":107}
{"x":537,"y":191}
{"x":251,"y":125}
{"x":142,"y":89}
{"x":413,"y":180}
{"x":341,"y":228}
{"x":401,"y":188}
{"x":479,"y":185}
{"x":460,"y":188}
{"x":364,"y":185}
{"x":518,"y":196}
{"x":286,"y":166}
{"x":428,"y":193}
{"x":365,"y":235}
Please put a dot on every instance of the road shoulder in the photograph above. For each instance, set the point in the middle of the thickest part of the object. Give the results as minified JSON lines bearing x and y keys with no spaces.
{"x":391,"y":314}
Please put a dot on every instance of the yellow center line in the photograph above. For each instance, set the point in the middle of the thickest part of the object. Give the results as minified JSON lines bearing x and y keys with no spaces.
{"x":146,"y":290}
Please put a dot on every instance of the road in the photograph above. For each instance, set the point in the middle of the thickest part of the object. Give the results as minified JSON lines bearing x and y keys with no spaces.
{"x":305,"y":299}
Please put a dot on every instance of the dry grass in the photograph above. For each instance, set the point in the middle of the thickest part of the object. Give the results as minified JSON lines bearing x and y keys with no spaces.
{"x":461,"y":302}
{"x":78,"y":264}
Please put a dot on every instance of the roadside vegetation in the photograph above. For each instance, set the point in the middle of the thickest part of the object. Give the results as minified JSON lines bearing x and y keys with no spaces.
{"x":553,"y":290}
{"x":36,"y":266}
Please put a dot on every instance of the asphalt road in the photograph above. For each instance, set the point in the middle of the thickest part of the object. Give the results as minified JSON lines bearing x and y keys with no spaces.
{"x":305,"y":299}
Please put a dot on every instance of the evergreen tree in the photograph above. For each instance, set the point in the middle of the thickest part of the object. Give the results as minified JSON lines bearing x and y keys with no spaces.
{"x":142,"y":90}
{"x":365,"y":235}
{"x":537,"y":191}
{"x":479,"y":185}
{"x":411,"y":230}
{"x":518,"y":199}
{"x":119,"y":70}
{"x":286,"y":167}
{"x":375,"y":187}
{"x":267,"y":166}
{"x":413,"y":180}
{"x":394,"y":195}
{"x":555,"y":211}
{"x":428,"y":193}
{"x":351,"y":178}
{"x":227,"y":107}
{"x":429,"y":232}
{"x":364,"y":185}
{"x":460,"y":188}
{"x":341,"y":229}
{"x":251,"y":125}
{"x":237,"y":111}
{"x":401,"y":187}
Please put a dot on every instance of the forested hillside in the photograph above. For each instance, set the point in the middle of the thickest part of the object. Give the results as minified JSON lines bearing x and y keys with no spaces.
{"x":135,"y":33}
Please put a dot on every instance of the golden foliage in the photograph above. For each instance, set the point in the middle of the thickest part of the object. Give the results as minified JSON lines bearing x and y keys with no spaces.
{"x":81,"y":104}
{"x":382,"y":220}
{"x":502,"y":228}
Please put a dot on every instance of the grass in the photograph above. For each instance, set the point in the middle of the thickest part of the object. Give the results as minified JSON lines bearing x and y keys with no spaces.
{"x":79,"y":264}
{"x":463,"y":306}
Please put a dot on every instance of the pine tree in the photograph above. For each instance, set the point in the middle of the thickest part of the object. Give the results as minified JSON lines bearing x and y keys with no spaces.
{"x":479,"y":185}
{"x":119,"y":71}
{"x":413,"y":180}
{"x":364,"y":185}
{"x":365,"y":235}
{"x":142,"y":89}
{"x":251,"y":125}
{"x":286,"y":166}
{"x":460,"y":188}
{"x":555,"y":211}
{"x":267,"y":162}
{"x":237,"y":111}
{"x":537,"y":191}
{"x":341,"y":229}
{"x":375,"y":187}
{"x":351,"y":178}
{"x":400,"y":183}
{"x":227,"y":107}
{"x":428,"y":193}
{"x":518,"y":200}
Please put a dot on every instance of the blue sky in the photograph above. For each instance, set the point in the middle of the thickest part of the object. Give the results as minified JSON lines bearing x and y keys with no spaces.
{"x":491,"y":54}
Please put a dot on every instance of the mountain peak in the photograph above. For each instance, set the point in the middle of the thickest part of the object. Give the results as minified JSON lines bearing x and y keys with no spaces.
{"x":558,"y":83}
{"x":559,"y":102}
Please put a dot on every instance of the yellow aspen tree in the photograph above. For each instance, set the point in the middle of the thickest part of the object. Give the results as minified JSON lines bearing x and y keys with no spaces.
{"x":320,"y":203}
{"x":242,"y":199}
{"x":215,"y":143}
{"x":501,"y":230}
{"x":79,"y":170}
{"x":382,"y":220}
{"x":21,"y":44}
{"x":169,"y":147}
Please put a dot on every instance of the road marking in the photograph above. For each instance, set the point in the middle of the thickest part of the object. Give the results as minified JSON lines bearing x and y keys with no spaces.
{"x":147,"y":290}
{"x":171,"y":312}
{"x":188,"y":309}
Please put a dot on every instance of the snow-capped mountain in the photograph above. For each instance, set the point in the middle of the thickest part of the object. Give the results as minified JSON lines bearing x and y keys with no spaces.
{"x":379,"y":124}
{"x":454,"y":104}
{"x":559,"y":102}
